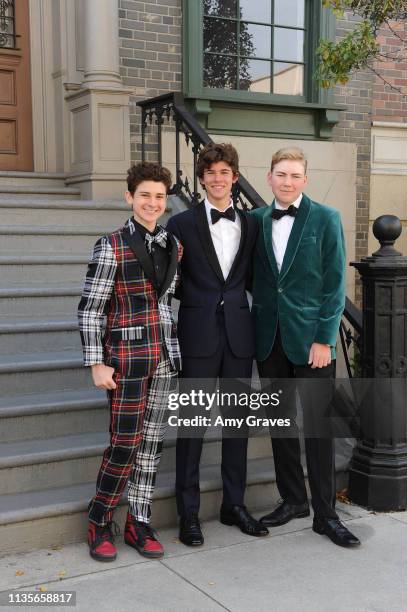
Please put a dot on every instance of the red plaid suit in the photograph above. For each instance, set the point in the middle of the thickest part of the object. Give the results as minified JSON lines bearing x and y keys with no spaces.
{"x":140,"y":343}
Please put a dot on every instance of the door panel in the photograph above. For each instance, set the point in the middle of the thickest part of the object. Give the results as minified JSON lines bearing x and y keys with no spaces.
{"x":16,"y":148}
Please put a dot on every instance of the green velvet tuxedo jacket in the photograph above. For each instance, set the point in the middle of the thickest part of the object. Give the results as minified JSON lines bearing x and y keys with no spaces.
{"x":307,"y":298}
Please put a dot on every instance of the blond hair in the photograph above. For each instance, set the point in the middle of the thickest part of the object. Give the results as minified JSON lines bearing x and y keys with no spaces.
{"x":291,"y":153}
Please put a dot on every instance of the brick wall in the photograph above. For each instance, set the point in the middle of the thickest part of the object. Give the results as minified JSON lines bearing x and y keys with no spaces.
{"x":150,"y":55}
{"x":388,"y":105}
{"x":355,"y":127}
{"x":369,"y":99}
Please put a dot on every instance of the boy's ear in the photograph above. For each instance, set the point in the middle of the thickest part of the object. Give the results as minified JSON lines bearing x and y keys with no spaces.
{"x":128,"y":197}
{"x":235,"y":177}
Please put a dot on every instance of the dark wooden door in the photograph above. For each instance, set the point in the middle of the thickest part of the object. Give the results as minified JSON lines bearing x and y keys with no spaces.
{"x":16,"y":137}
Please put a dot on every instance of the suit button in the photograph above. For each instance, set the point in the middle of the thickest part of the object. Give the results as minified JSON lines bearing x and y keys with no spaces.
{"x":280,"y":290}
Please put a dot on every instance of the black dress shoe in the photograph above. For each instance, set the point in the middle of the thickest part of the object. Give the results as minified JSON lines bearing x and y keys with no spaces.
{"x":239,"y":516}
{"x":284,"y":513}
{"x":336,"y":531}
{"x":190,"y":532}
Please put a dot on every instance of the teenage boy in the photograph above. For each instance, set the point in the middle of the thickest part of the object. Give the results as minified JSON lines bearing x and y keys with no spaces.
{"x":215,"y":329}
{"x":298,"y":300}
{"x":131,"y":278}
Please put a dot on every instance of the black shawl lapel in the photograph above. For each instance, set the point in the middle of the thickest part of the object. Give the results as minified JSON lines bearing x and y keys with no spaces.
{"x":172,"y":266}
{"x":242,"y":243}
{"x":138,"y":246}
{"x":206,"y":239}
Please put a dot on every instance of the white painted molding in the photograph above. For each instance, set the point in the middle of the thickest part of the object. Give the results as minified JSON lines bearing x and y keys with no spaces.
{"x":389,"y":149}
{"x":389,"y":124}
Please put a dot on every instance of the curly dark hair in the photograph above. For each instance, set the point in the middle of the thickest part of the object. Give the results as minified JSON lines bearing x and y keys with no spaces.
{"x":147,"y":171}
{"x":216,"y":152}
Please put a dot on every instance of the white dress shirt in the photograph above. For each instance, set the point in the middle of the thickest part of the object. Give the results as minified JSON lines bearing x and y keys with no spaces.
{"x":281,"y":230}
{"x":225,"y":237}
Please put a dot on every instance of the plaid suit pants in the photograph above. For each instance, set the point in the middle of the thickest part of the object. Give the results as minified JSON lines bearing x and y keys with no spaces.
{"x":138,"y":410}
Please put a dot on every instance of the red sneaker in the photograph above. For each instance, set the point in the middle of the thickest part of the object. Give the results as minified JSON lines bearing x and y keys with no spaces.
{"x":143,"y":538}
{"x":100,"y":540}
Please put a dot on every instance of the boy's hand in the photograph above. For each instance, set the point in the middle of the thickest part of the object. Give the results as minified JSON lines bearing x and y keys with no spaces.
{"x":319,"y":355}
{"x":103,"y":377}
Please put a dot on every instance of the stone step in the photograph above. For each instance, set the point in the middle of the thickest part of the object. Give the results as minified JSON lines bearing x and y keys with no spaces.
{"x":63,"y":268}
{"x":39,"y":212}
{"x":58,"y":516}
{"x":37,"y":299}
{"x":43,"y":372}
{"x":57,"y":238}
{"x":45,"y":191}
{"x":77,"y":215}
{"x":52,"y":239}
{"x":23,"y":335}
{"x":52,"y":414}
{"x":30,"y":465}
{"x":50,"y":179}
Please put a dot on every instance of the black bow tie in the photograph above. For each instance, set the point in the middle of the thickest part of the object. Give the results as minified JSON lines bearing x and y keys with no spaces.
{"x":278,"y":213}
{"x":229,"y":214}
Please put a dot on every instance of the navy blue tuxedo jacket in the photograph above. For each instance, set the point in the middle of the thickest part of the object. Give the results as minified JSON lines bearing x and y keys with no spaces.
{"x":203,"y":287}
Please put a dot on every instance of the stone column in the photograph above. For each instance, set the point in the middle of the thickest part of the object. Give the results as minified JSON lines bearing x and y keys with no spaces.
{"x":101,"y":43}
{"x":99,"y":110}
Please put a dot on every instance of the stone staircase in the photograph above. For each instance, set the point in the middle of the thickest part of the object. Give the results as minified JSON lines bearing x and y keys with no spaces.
{"x":53,"y":423}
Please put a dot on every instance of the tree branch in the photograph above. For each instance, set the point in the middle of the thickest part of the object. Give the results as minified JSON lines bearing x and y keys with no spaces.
{"x":394,"y":32}
{"x":399,"y":90}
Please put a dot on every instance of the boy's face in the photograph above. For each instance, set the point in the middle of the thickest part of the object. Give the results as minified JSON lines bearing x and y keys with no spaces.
{"x":218,"y":181}
{"x":148,"y":202}
{"x":287,"y":180}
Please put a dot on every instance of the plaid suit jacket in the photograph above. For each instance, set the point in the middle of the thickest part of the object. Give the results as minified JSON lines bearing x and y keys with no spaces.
{"x":120,"y":287}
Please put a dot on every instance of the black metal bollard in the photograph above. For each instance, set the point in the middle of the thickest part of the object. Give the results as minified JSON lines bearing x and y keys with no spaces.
{"x":378,"y":469}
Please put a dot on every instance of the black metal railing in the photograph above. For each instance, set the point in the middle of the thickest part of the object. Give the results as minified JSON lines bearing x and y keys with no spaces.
{"x":8,"y":37}
{"x":168,"y":112}
{"x":350,"y":334}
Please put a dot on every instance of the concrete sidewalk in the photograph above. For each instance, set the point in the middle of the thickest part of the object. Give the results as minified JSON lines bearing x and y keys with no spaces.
{"x":292,"y":569}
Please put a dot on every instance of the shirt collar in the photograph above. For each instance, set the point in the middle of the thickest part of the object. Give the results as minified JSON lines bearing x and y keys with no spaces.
{"x":143,"y":230}
{"x":209,"y":206}
{"x":296,"y":203}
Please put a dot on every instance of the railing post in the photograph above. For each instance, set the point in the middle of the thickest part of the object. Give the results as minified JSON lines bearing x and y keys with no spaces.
{"x":159,"y":122}
{"x":143,"y":134}
{"x":378,"y":469}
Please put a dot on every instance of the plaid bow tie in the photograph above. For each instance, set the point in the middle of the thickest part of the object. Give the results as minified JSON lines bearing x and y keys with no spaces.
{"x":160,"y":238}
{"x":278,"y":213}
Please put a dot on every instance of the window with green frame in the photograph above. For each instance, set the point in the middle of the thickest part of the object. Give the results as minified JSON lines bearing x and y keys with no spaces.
{"x":254,"y":46}
{"x":251,"y":49}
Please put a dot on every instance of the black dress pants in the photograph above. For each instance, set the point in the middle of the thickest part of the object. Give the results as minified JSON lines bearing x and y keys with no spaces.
{"x":320,"y":452}
{"x":223,"y":365}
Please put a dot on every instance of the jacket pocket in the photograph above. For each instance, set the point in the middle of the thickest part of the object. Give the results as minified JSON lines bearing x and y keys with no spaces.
{"x":310,"y":312}
{"x":136,"y":333}
{"x":308,"y":240}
